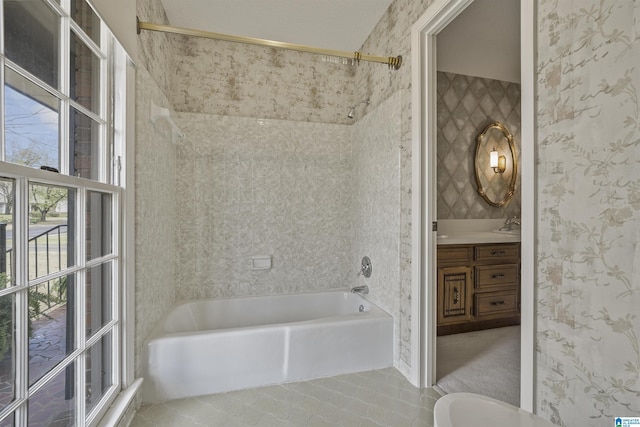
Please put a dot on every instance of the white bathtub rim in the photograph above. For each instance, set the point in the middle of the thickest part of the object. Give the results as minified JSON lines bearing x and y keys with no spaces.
{"x":355,"y":318}
{"x":159,"y":331}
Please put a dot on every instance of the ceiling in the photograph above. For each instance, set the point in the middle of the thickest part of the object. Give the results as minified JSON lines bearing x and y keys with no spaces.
{"x":329,"y":24}
{"x":483,"y":41}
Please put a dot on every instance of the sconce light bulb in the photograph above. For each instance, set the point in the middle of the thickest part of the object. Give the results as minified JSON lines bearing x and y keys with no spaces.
{"x":497,"y":162}
{"x":493,"y":159}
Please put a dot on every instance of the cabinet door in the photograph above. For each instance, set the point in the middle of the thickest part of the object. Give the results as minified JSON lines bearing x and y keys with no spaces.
{"x":454,"y":294}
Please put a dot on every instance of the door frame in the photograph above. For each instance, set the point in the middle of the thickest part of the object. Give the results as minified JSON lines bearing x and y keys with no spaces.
{"x":424,"y":167}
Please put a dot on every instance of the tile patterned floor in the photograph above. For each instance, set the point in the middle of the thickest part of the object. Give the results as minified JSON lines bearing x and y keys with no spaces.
{"x":367,"y":399}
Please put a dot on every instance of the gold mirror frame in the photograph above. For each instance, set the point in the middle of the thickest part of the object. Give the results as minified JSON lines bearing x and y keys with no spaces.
{"x":514,"y":174}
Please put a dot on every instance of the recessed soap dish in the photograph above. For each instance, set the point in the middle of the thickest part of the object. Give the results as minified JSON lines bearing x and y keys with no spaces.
{"x":261,"y":262}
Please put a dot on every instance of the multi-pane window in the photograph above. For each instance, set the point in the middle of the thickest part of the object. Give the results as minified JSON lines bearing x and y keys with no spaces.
{"x":60,"y":261}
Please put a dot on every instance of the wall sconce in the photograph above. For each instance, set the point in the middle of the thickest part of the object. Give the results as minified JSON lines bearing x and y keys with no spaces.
{"x":496,"y":162}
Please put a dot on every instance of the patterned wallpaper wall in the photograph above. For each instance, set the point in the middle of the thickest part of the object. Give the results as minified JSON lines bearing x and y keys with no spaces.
{"x":466,"y":105}
{"x":588,"y":140}
{"x":155,"y":49}
{"x":232,"y":79}
{"x":249,"y":187}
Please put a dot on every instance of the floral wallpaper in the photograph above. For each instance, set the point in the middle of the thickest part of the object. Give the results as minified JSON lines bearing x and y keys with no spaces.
{"x":588,"y":202}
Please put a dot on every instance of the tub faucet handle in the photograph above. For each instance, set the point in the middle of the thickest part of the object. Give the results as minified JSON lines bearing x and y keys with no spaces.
{"x":365,"y":268}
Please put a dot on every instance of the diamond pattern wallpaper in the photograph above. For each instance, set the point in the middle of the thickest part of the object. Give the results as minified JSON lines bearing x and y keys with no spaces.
{"x":466,"y":105}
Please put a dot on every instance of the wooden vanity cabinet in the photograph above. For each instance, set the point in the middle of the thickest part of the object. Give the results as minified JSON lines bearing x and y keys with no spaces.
{"x":478,"y":287}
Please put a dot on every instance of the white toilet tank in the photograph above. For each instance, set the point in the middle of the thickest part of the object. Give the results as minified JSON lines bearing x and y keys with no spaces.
{"x":469,"y":409}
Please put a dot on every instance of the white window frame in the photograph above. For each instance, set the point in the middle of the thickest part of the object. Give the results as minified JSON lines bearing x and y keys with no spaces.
{"x":116,"y":74}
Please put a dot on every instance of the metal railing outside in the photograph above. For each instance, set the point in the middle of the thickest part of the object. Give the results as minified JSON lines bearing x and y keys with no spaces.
{"x":46,"y":255}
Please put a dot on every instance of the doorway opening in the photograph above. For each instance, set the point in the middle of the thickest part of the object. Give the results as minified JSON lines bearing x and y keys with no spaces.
{"x":424,"y":55}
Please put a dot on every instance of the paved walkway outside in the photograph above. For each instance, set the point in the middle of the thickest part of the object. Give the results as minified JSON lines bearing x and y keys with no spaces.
{"x":47,"y":348}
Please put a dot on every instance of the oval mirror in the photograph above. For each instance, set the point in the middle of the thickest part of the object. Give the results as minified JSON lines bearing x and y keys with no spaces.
{"x":496,"y":164}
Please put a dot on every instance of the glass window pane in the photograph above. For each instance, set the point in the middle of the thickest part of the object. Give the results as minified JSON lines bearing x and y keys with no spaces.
{"x":99,"y":224}
{"x":84,"y":138}
{"x":98,"y":293}
{"x":7,"y":350}
{"x":54,"y":404}
{"x":7,"y":209}
{"x":85,"y":75}
{"x":99,"y":370}
{"x":8,"y":422}
{"x":31,"y":38}
{"x":51,"y":323}
{"x":50,"y":229}
{"x":84,"y":16}
{"x":31,"y":123}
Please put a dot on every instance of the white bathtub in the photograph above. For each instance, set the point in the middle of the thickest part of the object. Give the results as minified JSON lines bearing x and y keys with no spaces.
{"x":215,"y":346}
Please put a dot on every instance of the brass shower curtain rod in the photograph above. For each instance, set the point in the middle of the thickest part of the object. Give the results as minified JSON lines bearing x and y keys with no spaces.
{"x":392,"y":62}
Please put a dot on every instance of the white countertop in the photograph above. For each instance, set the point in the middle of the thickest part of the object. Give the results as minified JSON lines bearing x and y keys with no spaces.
{"x":469,"y":231}
{"x":468,"y":237}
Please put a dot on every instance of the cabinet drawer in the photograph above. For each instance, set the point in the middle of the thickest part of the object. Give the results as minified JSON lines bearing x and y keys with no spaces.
{"x":500,"y":303}
{"x":496,"y":275}
{"x":454,"y":255}
{"x":497,"y":253}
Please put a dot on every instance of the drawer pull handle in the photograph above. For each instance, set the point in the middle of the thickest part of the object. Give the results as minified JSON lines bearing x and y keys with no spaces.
{"x":497,"y":303}
{"x":498,"y":253}
{"x":456,"y":296}
{"x":498,"y":276}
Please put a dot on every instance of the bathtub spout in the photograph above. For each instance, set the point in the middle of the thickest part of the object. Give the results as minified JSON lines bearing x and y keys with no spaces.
{"x":364,"y":289}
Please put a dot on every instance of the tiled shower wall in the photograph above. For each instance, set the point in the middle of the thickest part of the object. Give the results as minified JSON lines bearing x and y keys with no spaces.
{"x":375,"y":215}
{"x":249,"y":187}
{"x":466,"y":105}
{"x":155,"y":174}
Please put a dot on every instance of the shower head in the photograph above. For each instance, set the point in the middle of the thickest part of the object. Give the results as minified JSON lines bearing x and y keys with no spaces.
{"x":352,"y":109}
